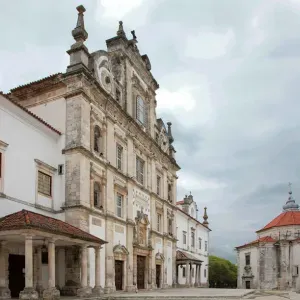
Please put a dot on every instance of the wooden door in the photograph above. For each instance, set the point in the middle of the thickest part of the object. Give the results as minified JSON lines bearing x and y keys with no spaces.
{"x":158,"y":272}
{"x":248,"y":285}
{"x":141,"y":264}
{"x":16,"y":274}
{"x":119,"y":275}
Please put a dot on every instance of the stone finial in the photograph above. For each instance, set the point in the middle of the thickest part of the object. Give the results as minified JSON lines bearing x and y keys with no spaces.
{"x":121,"y":31}
{"x":171,"y":139}
{"x":205,"y":217}
{"x":79,"y":33}
{"x":290,"y":203}
{"x":133,"y":34}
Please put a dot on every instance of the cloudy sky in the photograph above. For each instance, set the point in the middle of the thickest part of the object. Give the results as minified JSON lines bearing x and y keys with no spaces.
{"x":229,"y":74}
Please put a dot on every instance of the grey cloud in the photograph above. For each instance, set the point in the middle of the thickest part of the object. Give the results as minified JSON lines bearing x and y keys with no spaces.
{"x":252,"y":143}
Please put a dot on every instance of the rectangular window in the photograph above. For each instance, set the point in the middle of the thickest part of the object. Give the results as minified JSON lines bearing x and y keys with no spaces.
{"x":158,"y":182}
{"x":247,"y":259}
{"x":119,"y":205}
{"x":158,"y":222}
{"x":296,"y":271}
{"x":170,"y":225}
{"x":183,"y":272}
{"x":119,"y":157}
{"x":200,"y":241}
{"x":205,"y":273}
{"x":193,"y":239}
{"x":44,"y":183}
{"x":140,"y":165}
{"x":184,"y":238}
{"x":205,"y":245}
{"x":170,"y":192}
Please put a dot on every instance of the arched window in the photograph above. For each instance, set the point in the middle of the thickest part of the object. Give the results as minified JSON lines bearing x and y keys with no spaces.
{"x":97,"y":138}
{"x":140,"y":110}
{"x":97,"y":195}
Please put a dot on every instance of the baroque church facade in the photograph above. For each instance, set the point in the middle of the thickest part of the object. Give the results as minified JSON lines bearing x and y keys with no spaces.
{"x":272,"y":261}
{"x":112,"y":161}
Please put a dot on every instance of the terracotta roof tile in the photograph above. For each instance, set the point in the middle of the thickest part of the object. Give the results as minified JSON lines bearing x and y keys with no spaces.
{"x":183,"y":255}
{"x":27,"y":219}
{"x":264,"y":239}
{"x":32,"y":114}
{"x":284,"y":219}
{"x":179,"y":202}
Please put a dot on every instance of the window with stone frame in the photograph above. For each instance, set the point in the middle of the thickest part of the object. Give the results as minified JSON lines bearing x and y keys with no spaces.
{"x":159,"y":218}
{"x":206,"y":246}
{"x":184,"y":237}
{"x":247,"y":259}
{"x":170,"y":226}
{"x":192,"y":239}
{"x":140,"y":170}
{"x":119,"y":157}
{"x":119,"y":205}
{"x":97,"y":139}
{"x":140,"y":110}
{"x":200,"y":242}
{"x":44,"y":184}
{"x":170,"y":192}
{"x":205,"y":273}
{"x":97,"y":195}
{"x":158,"y":185}
{"x":295,"y":270}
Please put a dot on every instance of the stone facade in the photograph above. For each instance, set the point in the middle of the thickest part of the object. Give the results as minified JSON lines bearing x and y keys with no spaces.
{"x":272,"y":260}
{"x":120,"y":167}
{"x":192,"y":245}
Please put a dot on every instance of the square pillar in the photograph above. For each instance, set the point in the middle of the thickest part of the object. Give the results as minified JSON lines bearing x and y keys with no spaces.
{"x":97,"y":290}
{"x":51,"y":292}
{"x":196,"y":275}
{"x":191,"y":277}
{"x":4,"y":290}
{"x":199,"y":276}
{"x":29,"y":293}
{"x":85,"y":290}
{"x":39,"y":278}
{"x":187,"y":274}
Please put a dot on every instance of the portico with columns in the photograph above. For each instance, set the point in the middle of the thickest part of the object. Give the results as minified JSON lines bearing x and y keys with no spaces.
{"x":190,"y":266}
{"x":34,"y":258}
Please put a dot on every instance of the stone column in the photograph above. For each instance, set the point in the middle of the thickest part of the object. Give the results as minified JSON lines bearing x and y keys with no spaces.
{"x":199,"y":277}
{"x":28,"y":292}
{"x":191,"y":277}
{"x":39,"y":285}
{"x":150,"y":271}
{"x":196,"y":275}
{"x":4,"y":290}
{"x":97,"y":290}
{"x":187,"y":274}
{"x":51,"y":292}
{"x":85,"y":290}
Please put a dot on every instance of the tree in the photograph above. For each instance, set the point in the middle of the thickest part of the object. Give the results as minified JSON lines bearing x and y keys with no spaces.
{"x":222,"y":273}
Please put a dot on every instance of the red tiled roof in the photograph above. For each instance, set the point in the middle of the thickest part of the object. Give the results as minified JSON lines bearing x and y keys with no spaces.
{"x":179,"y":202}
{"x":32,"y":114}
{"x":182,"y":255}
{"x":25,"y":219}
{"x":284,"y":219}
{"x":264,"y":239}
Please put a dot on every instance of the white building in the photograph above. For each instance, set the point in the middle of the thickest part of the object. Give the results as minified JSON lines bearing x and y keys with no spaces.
{"x":108,"y":168}
{"x":32,"y":188}
{"x":192,"y":255}
{"x":272,"y":260}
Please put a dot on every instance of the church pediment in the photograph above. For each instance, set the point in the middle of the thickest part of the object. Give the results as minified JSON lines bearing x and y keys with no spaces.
{"x":120,"y":249}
